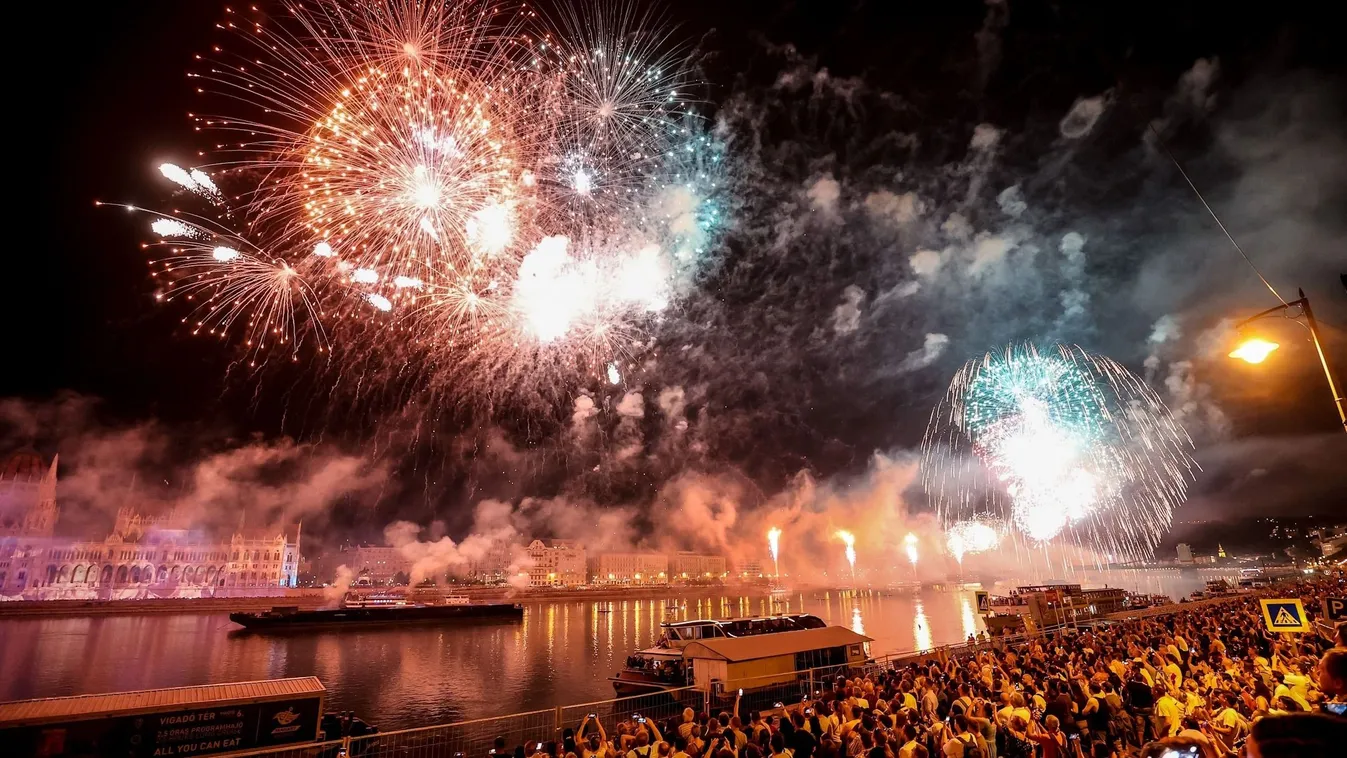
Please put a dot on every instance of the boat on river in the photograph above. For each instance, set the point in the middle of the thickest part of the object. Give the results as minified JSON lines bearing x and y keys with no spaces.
{"x":662,"y":667}
{"x":1040,"y":605}
{"x":366,"y":611}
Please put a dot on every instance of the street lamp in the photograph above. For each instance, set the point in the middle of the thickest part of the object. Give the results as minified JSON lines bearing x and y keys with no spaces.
{"x":1256,"y":350}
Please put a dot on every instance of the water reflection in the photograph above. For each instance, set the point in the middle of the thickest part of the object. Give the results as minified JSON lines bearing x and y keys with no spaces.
{"x":561,"y":652}
{"x":921,"y":628}
{"x":970,"y":622}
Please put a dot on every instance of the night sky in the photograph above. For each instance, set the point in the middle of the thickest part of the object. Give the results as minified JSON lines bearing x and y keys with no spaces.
{"x":829,"y":104}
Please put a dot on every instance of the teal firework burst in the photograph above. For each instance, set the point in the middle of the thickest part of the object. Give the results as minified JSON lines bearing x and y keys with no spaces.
{"x":1060,"y":444}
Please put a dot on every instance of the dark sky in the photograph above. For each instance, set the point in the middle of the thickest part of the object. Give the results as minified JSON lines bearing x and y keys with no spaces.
{"x":107,"y":100}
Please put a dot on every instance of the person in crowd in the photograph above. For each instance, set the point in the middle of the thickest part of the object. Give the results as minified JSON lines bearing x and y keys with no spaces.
{"x":1297,"y":735}
{"x":963,"y":741}
{"x":1332,"y":673}
{"x":689,"y":721}
{"x":1050,"y":738}
{"x":1016,"y":742}
{"x":803,"y":744}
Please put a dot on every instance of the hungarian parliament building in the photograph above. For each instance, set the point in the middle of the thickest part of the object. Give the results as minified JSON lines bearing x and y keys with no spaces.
{"x":144,"y":556}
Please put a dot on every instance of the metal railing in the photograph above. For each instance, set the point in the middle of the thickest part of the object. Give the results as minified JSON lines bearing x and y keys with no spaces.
{"x":655,"y":706}
{"x":769,"y":693}
{"x":329,"y":749}
{"x":475,"y":737}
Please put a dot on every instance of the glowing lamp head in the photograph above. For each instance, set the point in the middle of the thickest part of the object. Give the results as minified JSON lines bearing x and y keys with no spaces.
{"x":1254,"y":350}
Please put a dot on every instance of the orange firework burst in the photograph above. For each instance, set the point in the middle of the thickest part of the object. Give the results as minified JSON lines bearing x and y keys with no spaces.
{"x":452,"y":190}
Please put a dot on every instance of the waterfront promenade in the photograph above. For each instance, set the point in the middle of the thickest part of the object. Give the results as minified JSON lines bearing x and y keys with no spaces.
{"x":1011,"y":657}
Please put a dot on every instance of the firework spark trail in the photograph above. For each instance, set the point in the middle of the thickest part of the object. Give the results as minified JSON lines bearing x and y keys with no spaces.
{"x":910,"y":547}
{"x":618,"y":84}
{"x":193,"y":180}
{"x":422,"y":160}
{"x":268,"y":300}
{"x":774,"y":545}
{"x":1062,"y":443}
{"x":235,"y":288}
{"x":171,"y":227}
{"x":849,"y":540}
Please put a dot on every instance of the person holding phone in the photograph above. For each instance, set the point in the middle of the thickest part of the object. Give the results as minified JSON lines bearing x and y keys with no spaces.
{"x":647,"y":737}
{"x":963,"y":742}
{"x":595,"y":744}
{"x":1050,"y":738}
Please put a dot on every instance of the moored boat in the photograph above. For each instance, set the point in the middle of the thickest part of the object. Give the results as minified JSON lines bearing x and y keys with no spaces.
{"x":285,"y":619}
{"x":662,"y":668}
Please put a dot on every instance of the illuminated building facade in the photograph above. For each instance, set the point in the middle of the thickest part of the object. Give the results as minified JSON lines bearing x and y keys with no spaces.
{"x":694,"y":567}
{"x":560,"y":563}
{"x":629,"y":568}
{"x":144,"y":556}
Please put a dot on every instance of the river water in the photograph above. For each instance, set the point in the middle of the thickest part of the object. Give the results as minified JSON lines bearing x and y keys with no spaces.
{"x":561,"y":653}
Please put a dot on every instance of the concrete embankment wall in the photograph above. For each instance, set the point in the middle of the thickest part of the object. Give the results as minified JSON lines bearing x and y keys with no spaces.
{"x":312,"y":598}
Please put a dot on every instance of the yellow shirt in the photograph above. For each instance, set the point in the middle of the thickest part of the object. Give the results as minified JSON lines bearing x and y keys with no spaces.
{"x":1175,"y":674}
{"x":1167,"y":715}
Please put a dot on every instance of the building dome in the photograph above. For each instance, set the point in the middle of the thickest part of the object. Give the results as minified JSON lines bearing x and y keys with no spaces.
{"x":23,"y":466}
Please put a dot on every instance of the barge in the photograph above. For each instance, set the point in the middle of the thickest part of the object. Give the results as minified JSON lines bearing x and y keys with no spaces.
{"x":286,"y":619}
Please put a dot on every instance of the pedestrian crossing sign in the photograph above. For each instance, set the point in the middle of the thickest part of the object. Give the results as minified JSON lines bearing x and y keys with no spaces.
{"x":1285,"y":615}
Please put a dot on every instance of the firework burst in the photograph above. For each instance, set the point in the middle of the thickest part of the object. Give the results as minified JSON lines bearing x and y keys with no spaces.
{"x":971,"y":537}
{"x":1063,"y":444}
{"x":466,"y":196}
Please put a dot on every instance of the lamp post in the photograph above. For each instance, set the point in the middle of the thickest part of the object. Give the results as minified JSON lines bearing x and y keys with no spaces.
{"x":1255,"y":350}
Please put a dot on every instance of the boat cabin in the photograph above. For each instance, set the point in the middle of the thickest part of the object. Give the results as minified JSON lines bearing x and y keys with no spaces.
{"x":772,"y":659}
{"x":1051,"y":604}
{"x":678,"y":634}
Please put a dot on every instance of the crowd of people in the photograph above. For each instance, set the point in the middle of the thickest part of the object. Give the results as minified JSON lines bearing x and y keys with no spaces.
{"x":1205,"y":682}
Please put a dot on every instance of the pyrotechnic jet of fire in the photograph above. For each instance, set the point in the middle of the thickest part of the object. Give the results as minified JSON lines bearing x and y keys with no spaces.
{"x":774,"y":544}
{"x":850,"y":540}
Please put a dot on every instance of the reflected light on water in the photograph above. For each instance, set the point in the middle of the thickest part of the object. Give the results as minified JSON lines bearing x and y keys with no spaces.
{"x":970,"y":621}
{"x":921,"y":628}
{"x":857,"y":623}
